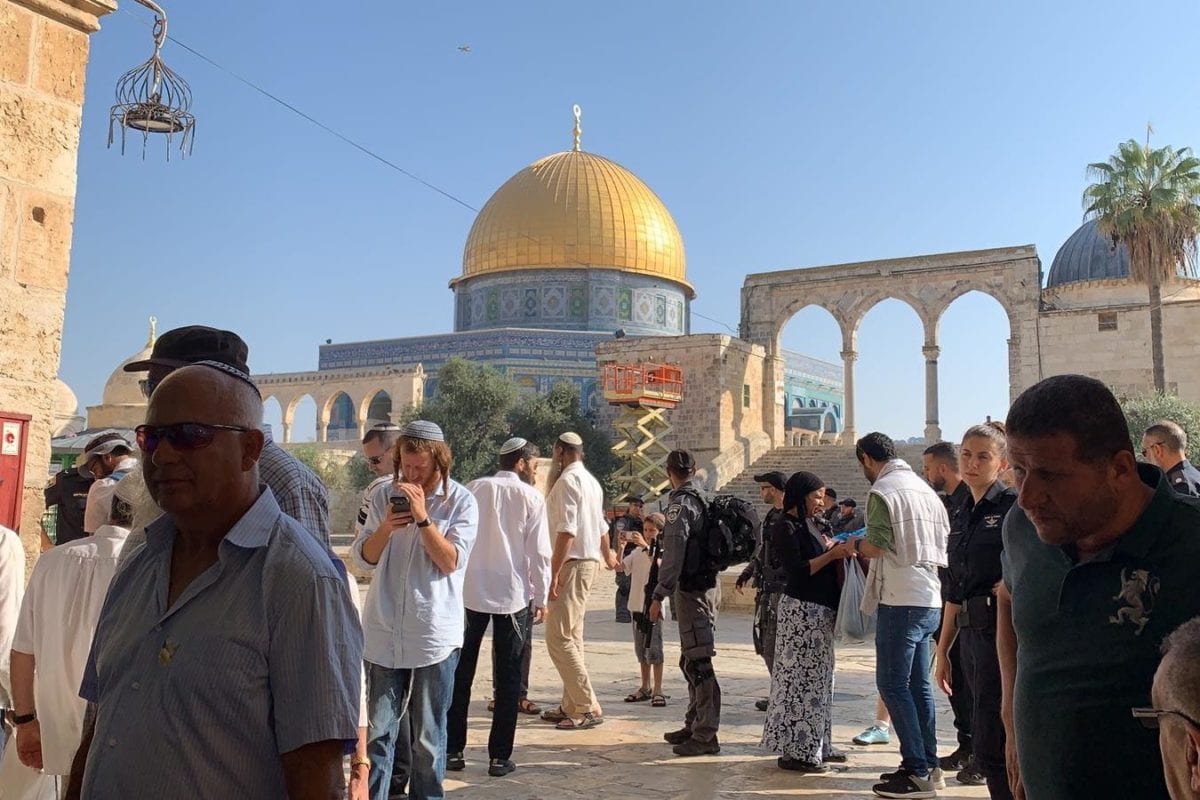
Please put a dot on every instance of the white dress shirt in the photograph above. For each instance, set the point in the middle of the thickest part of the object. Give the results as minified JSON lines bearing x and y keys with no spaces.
{"x":637,"y":567}
{"x":12,"y":586}
{"x":576,"y":506}
{"x":510,"y":562}
{"x":98,"y":510}
{"x":58,"y":619}
{"x":414,"y":612}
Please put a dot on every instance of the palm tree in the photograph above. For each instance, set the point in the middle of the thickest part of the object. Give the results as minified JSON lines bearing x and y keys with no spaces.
{"x":1146,"y":199}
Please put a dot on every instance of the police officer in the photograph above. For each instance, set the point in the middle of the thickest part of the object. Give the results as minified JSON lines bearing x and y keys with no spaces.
{"x":619,"y":535}
{"x":974,"y":571}
{"x":694,"y":600}
{"x":766,"y":571}
{"x":1164,"y":444}
{"x":68,"y":491}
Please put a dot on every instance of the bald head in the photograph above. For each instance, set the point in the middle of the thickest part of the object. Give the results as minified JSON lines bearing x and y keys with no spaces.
{"x":203,"y":443}
{"x":1177,"y":689}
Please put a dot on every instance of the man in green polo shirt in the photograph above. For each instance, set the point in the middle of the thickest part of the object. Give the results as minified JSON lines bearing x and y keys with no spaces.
{"x":1101,"y":562}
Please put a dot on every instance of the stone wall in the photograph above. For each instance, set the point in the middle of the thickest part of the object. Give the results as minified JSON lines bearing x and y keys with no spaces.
{"x":1073,"y":342}
{"x":716,"y":421}
{"x":43,"y":60}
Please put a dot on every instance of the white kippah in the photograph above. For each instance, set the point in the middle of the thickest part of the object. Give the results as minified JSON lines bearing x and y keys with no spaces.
{"x":513,"y":445}
{"x":423,"y":429}
{"x":571,"y":438}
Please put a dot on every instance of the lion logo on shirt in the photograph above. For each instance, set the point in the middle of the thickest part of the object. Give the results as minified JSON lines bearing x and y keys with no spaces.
{"x":1139,"y":589}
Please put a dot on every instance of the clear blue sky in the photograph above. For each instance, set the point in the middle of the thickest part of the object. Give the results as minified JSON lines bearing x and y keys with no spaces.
{"x":780,"y":135}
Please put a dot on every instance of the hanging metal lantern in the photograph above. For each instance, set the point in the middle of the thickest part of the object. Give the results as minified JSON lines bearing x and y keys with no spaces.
{"x":151,"y":98}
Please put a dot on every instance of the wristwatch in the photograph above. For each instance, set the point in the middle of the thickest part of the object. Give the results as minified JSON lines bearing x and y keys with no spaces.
{"x":425,"y":523}
{"x":356,"y":761}
{"x":22,"y":719}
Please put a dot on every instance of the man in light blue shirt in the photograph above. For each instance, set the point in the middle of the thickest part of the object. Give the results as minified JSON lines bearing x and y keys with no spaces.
{"x":226,"y":661}
{"x":416,"y":540}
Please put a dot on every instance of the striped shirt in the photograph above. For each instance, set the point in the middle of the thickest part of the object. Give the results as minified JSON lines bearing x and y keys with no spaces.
{"x":414,"y":612}
{"x":260,"y":655}
{"x":297,"y":489}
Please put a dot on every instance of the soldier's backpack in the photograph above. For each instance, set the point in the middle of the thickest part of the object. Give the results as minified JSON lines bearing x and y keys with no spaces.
{"x":727,"y":538}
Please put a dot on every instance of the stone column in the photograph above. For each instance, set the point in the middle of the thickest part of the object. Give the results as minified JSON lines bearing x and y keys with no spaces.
{"x":849,"y":434}
{"x":286,"y":431}
{"x":43,"y":63}
{"x":933,"y":431}
{"x":773,"y":411}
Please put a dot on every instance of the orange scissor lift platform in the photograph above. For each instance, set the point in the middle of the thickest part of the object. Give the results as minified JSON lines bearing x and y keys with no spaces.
{"x":644,"y":392}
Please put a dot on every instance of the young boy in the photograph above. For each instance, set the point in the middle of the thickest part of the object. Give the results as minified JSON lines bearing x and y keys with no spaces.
{"x":638,"y":566}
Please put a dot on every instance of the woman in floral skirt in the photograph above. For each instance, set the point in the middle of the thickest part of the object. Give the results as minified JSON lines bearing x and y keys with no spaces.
{"x":799,"y":712}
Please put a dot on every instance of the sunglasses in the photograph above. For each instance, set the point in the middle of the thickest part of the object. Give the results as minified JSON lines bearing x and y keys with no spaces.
{"x":181,"y":435}
{"x":375,"y":461}
{"x":1149,"y":717}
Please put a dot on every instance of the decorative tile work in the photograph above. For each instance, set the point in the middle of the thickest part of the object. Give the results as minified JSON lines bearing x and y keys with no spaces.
{"x":509,"y":303}
{"x":532,"y":306}
{"x":554,"y":302}
{"x":577,"y":305}
{"x":675,"y":316}
{"x":604,"y":302}
{"x":660,"y":310}
{"x":493,"y":305}
{"x":477,"y":309}
{"x":643,"y":307}
{"x":625,"y":304}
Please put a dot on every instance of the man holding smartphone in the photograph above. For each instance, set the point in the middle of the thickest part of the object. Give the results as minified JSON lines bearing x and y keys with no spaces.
{"x":416,"y":540}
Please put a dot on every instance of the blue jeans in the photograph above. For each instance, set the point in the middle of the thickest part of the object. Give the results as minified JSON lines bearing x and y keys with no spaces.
{"x":425,"y":693}
{"x":903,"y":651}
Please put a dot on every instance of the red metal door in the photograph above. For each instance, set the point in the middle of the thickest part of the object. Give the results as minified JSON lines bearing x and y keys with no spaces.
{"x":14,"y":432}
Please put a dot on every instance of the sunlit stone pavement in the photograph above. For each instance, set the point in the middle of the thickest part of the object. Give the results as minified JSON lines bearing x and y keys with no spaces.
{"x":626,"y":757}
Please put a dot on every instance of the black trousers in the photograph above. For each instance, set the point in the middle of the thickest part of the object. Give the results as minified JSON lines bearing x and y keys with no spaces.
{"x":960,"y":701}
{"x":981,"y":666}
{"x":624,"y":582}
{"x":526,"y":658}
{"x":509,"y":632}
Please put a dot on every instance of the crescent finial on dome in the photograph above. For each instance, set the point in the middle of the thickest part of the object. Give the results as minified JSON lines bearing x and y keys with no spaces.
{"x":153,"y":332}
{"x":578,"y":126}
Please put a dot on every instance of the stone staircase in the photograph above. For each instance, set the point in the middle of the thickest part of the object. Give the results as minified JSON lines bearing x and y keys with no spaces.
{"x":836,"y":465}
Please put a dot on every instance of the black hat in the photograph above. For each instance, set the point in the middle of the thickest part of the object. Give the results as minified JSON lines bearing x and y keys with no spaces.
{"x":681,"y":461}
{"x":634,"y":499}
{"x":776,"y":479}
{"x":848,"y":502}
{"x":830,"y":493}
{"x":194,"y":343}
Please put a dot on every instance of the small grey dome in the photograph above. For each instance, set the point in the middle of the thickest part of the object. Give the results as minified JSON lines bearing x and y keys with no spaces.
{"x":1088,"y":256}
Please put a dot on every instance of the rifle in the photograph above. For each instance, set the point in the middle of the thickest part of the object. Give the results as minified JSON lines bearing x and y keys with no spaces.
{"x":645,"y":626}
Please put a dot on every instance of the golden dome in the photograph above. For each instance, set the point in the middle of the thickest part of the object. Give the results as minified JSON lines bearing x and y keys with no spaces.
{"x":575,"y":210}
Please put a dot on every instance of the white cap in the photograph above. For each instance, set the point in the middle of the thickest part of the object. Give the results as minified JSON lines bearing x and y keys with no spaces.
{"x":571,"y":438}
{"x":513,"y":445}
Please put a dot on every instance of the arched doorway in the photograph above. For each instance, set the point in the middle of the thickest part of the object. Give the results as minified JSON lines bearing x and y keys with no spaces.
{"x":300,"y":419}
{"x":890,"y":368}
{"x":378,"y":408}
{"x":343,"y":419}
{"x":973,"y":331}
{"x":813,"y":394}
{"x":273,"y":418}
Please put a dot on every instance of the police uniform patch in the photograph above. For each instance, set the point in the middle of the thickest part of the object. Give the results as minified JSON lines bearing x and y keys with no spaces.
{"x":673,"y":512}
{"x":993,"y":520}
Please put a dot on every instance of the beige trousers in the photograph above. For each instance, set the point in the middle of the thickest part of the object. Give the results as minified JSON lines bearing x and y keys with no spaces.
{"x":564,"y":637}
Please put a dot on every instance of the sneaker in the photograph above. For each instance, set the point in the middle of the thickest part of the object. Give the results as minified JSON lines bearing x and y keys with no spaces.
{"x":678,"y":737}
{"x":499,"y":767}
{"x":761,"y":705}
{"x":936,"y":777}
{"x":874,"y":735}
{"x":971,"y":776}
{"x":796,"y":765}
{"x":956,"y":760}
{"x":903,"y":783}
{"x":455,"y":762}
{"x":695,"y":747}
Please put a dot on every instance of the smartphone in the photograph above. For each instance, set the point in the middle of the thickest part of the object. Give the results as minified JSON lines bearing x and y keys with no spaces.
{"x":400,"y":504}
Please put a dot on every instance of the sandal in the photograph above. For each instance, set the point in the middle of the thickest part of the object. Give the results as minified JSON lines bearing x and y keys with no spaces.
{"x":659,"y":700}
{"x":527,"y":706}
{"x":641,"y":695}
{"x":554,"y":715}
{"x":588,"y":720}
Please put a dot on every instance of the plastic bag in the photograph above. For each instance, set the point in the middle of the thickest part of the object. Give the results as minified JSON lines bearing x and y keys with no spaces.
{"x":852,"y":623}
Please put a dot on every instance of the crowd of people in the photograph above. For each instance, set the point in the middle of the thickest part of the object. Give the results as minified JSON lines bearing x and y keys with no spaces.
{"x":199,"y":638}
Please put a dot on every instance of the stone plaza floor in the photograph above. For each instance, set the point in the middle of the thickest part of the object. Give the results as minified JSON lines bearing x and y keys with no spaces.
{"x":626,"y":756}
